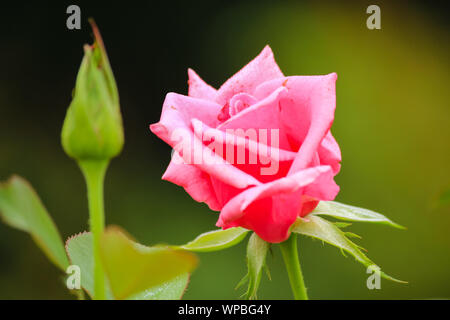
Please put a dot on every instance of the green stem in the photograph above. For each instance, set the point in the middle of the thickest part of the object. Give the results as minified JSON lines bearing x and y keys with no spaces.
{"x":94,"y":174}
{"x":290,"y":256}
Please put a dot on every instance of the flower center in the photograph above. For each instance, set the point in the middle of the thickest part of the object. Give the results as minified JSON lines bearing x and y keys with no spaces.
{"x":236,"y":104}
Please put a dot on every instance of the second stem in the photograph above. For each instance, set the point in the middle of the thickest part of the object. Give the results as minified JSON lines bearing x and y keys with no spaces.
{"x":94,"y":174}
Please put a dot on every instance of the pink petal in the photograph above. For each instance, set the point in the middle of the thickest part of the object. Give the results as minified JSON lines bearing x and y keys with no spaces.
{"x":260,"y":69}
{"x":262,"y":115}
{"x":262,"y":161}
{"x":178,"y":111}
{"x":199,"y":88}
{"x":323,"y":187}
{"x":307,"y":112}
{"x":271,"y":208}
{"x":329,"y":153}
{"x":193,"y":180}
{"x":322,"y":103}
{"x":224,"y":192}
{"x":217,"y":167}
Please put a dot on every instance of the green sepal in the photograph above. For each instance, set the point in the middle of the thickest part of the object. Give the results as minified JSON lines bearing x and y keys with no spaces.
{"x":256,"y":261}
{"x":319,"y":228}
{"x":351,"y":213}
{"x":215,"y":240}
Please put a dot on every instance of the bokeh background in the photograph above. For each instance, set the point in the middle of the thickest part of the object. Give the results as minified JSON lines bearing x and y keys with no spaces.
{"x":392,"y":123}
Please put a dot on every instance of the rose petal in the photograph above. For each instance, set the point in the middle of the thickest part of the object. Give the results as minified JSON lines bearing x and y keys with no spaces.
{"x":271,"y":208}
{"x":178,"y":110}
{"x":199,"y":88}
{"x":252,"y":146}
{"x":307,"y":112}
{"x":263,"y":161}
{"x":262,"y":115}
{"x":217,"y":167}
{"x":323,"y":187}
{"x":329,"y":153}
{"x":176,"y":130}
{"x":260,"y":69}
{"x":193,"y":180}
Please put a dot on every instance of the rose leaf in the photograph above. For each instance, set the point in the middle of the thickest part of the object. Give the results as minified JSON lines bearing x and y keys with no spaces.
{"x":21,"y":208}
{"x":133,"y":271}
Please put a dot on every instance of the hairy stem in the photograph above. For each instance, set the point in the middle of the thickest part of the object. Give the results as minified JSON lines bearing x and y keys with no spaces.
{"x":290,"y":256}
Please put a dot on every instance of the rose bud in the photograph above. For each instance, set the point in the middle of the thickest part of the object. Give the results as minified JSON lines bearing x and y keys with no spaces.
{"x":93,"y":128}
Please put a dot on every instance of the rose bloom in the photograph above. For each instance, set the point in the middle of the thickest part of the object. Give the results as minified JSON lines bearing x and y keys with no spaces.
{"x":296,"y":155}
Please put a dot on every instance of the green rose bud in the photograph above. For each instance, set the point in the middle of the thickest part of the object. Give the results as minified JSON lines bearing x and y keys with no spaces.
{"x":92,"y":128}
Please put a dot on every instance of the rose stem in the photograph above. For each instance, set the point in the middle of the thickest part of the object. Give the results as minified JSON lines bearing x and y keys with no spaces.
{"x":94,"y":173}
{"x":290,"y":256}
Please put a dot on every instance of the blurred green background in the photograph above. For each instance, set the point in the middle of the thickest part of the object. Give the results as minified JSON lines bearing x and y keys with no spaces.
{"x":392,"y":124}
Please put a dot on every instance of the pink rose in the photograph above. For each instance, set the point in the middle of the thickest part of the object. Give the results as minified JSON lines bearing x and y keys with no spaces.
{"x":282,"y":125}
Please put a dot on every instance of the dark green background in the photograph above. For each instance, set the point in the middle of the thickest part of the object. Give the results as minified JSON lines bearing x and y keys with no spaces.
{"x":392,"y":124}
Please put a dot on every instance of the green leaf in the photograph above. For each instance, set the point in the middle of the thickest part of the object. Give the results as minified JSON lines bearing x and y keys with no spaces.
{"x":79,"y":249}
{"x":216,"y":240}
{"x":132,"y":268}
{"x":256,"y":260}
{"x":170,"y":290}
{"x":21,"y":208}
{"x":351,"y":213}
{"x":328,"y":232}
